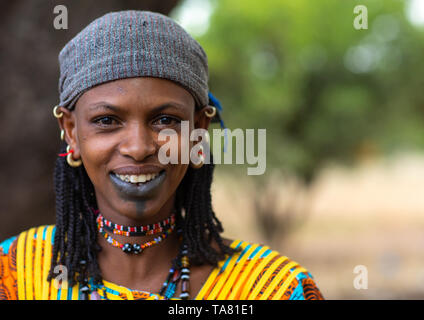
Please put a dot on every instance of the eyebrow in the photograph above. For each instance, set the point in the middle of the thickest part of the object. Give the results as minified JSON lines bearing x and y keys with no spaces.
{"x":106,"y":105}
{"x":103,"y":105}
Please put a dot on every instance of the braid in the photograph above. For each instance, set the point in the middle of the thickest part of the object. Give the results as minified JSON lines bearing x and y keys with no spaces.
{"x":201,"y":226}
{"x":75,"y":237}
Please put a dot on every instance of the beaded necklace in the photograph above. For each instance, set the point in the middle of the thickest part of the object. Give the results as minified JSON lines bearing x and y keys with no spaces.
{"x":180,"y":268}
{"x":134,"y":248}
{"x":146,"y":230}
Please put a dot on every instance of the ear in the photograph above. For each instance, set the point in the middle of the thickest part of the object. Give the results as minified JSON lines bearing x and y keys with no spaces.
{"x":68,"y":123}
{"x":201,"y":120}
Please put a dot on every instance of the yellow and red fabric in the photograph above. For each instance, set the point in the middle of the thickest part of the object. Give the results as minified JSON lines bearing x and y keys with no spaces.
{"x":254,"y":273}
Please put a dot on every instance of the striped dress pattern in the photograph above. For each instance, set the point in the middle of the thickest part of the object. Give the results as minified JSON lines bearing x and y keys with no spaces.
{"x":255,"y":272}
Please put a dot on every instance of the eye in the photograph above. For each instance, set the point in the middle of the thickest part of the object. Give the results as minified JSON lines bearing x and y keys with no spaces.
{"x":166,"y":121}
{"x":105,"y":121}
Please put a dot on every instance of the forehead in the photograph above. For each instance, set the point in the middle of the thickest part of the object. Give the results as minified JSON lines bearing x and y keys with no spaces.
{"x":142,"y":91}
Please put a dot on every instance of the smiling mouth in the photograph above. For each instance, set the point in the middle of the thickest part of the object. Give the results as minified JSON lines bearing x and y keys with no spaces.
{"x":138,"y":179}
{"x":138,"y":186}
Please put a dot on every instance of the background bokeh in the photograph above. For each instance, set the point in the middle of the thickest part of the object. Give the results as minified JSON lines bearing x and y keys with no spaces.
{"x":343,"y":109}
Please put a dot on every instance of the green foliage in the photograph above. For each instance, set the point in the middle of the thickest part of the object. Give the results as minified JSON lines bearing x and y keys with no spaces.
{"x":324,"y":91}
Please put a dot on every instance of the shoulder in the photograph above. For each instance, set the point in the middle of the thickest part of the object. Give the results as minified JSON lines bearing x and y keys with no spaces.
{"x":9,"y":246}
{"x":29,"y":238}
{"x":256,"y":271}
{"x":6,"y":245}
{"x":8,"y":276}
{"x":19,"y":252}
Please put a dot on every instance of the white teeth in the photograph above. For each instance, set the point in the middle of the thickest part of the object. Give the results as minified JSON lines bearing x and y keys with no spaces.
{"x":137,"y":178}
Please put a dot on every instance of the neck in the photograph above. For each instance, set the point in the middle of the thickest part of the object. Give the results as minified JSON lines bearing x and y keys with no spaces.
{"x":131,"y":214}
{"x":146,"y":270}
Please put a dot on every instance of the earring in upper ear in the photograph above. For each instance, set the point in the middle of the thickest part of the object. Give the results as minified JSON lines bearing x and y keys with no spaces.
{"x":56,"y":114}
{"x":201,"y":156}
{"x":211,"y":113}
{"x":70,"y":160}
{"x":62,"y":134}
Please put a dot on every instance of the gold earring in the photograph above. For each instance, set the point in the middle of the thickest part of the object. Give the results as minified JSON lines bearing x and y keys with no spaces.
{"x":56,"y":114}
{"x":73,"y":163}
{"x":212,"y":113}
{"x":62,"y":134}
{"x":201,"y":156}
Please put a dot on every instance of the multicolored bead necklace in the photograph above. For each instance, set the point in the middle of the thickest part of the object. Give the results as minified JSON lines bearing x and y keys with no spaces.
{"x":150,"y":229}
{"x":180,"y":268}
{"x":135,"y":248}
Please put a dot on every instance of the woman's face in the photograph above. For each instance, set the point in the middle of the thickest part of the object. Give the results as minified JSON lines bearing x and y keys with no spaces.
{"x":114,"y":131}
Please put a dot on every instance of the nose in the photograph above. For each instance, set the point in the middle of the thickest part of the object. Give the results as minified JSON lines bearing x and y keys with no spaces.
{"x":138,"y":142}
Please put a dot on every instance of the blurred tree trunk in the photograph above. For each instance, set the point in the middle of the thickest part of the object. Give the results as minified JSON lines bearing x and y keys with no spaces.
{"x":29,"y":48}
{"x":278,"y":218}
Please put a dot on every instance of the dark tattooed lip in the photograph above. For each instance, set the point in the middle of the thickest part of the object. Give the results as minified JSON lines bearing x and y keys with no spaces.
{"x":138,"y":189}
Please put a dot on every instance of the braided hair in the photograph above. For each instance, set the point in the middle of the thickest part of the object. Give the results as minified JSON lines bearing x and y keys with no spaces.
{"x":75,"y":238}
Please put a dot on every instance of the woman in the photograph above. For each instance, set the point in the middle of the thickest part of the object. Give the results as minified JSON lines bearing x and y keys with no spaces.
{"x":129,"y":226}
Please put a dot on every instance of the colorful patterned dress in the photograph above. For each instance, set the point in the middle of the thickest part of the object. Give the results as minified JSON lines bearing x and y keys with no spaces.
{"x":255,"y":272}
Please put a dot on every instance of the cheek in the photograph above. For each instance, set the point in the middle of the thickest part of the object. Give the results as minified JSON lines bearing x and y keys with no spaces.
{"x":95,"y":154}
{"x":177,"y":175}
{"x":174,"y":147}
{"x":178,"y":144}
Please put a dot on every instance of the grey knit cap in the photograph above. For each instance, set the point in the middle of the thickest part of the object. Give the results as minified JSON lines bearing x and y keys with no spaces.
{"x":128,"y":44}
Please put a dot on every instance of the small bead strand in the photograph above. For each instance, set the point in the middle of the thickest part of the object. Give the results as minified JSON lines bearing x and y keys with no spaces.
{"x":132,"y":248}
{"x":136,"y":231}
{"x":185,"y":275}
